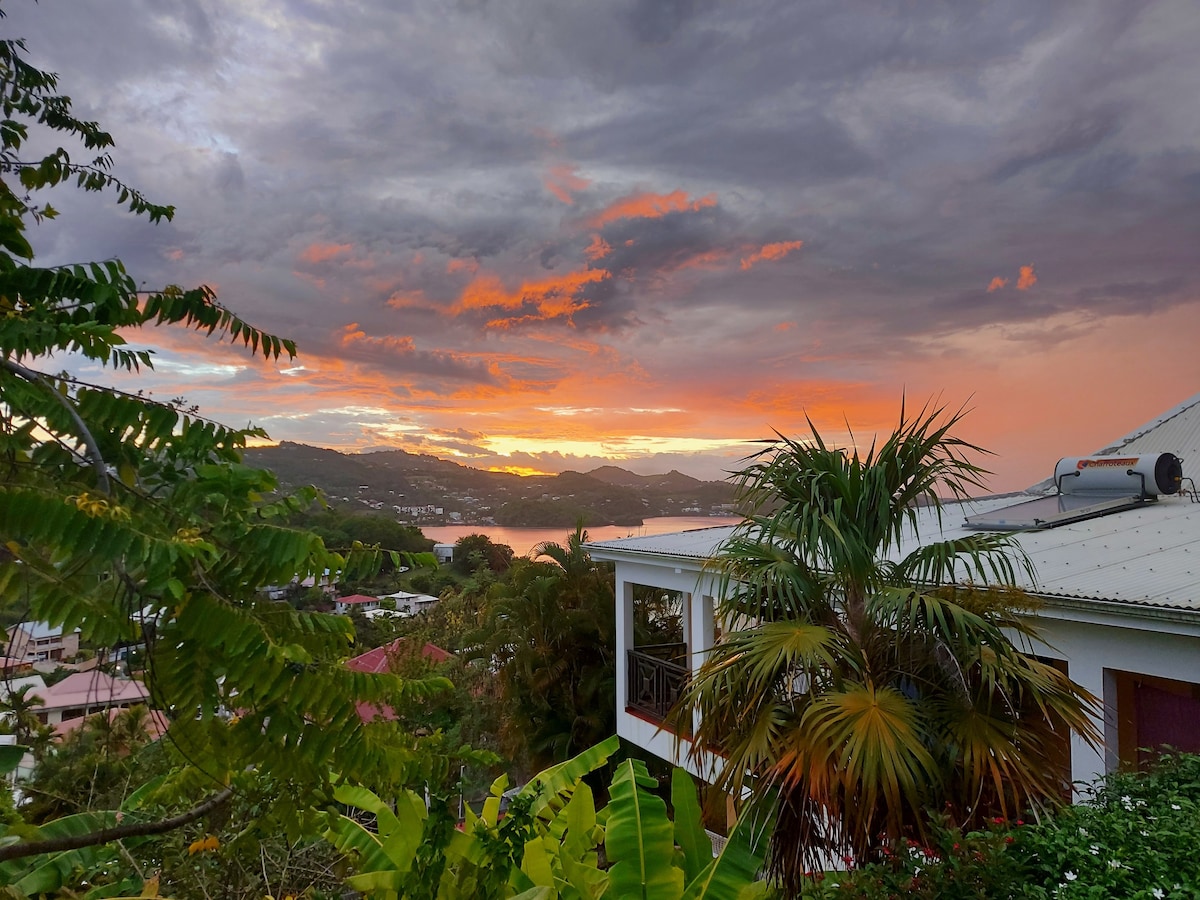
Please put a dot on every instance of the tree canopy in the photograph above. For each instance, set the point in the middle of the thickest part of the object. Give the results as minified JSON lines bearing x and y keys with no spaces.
{"x":135,"y":519}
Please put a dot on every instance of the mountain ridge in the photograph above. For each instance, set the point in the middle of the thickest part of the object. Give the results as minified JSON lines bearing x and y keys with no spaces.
{"x":426,"y":489}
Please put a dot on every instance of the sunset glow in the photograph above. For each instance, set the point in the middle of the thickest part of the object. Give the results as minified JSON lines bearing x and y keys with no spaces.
{"x":653,"y":234}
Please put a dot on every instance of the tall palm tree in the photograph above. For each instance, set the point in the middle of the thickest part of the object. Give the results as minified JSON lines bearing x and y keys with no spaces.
{"x":551,"y":629}
{"x":19,"y":706}
{"x":864,"y":688}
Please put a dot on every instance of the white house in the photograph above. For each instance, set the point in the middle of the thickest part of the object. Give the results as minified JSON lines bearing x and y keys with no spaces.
{"x":409,"y":604}
{"x":361,"y":602}
{"x":1118,"y":573}
{"x":40,"y":642}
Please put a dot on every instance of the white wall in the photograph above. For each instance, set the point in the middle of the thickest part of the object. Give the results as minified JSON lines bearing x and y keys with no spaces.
{"x":1091,"y":637}
{"x":1092,"y":640}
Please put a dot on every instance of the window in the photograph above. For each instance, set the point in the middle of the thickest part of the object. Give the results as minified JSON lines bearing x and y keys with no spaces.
{"x":1152,"y":713}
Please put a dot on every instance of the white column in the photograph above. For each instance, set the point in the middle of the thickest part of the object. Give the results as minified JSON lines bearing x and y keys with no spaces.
{"x":699,"y":637}
{"x":624,"y":595}
{"x":1087,"y":763}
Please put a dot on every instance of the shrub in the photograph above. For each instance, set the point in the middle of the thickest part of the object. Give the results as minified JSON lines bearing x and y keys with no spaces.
{"x":976,"y":865}
{"x":1135,"y":837}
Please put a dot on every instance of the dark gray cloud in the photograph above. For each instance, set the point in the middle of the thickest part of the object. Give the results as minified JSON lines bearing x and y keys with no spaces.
{"x":372,"y":164}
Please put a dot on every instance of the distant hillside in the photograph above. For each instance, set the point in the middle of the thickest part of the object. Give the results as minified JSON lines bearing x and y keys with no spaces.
{"x":672,"y":481}
{"x":427,"y":490}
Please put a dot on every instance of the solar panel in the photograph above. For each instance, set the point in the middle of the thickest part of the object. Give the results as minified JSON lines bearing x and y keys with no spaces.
{"x":1050,"y":512}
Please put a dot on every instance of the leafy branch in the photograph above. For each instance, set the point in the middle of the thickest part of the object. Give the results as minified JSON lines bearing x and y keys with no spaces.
{"x":116,"y":832}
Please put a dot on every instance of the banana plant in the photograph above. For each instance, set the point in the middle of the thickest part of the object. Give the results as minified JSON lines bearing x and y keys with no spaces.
{"x":548,"y":844}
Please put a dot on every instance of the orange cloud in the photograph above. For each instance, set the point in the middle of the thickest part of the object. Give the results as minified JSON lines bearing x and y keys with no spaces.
{"x":996,"y":283}
{"x":407,"y":300}
{"x":771,"y":252}
{"x":462,"y":265}
{"x":598,"y":248}
{"x":552,"y":297}
{"x":650,"y":206}
{"x":352,"y":334}
{"x":709,"y":259}
{"x":562,"y":182}
{"x":1026,"y":278}
{"x":319,"y":253}
{"x":518,"y":470}
{"x":785,"y":326}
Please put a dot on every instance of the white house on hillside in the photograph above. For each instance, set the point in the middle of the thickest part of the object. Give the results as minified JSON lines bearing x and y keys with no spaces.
{"x":1119,"y":575}
{"x":410,"y":604}
{"x":39,"y":642}
{"x":361,"y":602}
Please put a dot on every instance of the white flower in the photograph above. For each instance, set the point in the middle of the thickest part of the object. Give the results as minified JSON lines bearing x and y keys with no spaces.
{"x":1095,"y":848}
{"x":1115,"y":864}
{"x":1070,"y":876}
{"x":1158,"y":893}
{"x":1127,"y":802}
{"x":1176,"y":806}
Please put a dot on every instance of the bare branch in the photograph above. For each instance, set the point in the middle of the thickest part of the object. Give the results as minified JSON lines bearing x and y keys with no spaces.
{"x":117,"y":832}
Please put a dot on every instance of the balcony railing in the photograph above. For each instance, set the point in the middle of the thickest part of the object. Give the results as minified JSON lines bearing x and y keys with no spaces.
{"x":656,"y":679}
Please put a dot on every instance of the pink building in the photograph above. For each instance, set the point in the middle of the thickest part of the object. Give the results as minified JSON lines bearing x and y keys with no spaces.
{"x":84,"y":693}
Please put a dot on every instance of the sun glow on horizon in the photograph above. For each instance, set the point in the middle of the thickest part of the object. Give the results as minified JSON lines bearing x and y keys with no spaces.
{"x":618,"y":448}
{"x":523,"y":471}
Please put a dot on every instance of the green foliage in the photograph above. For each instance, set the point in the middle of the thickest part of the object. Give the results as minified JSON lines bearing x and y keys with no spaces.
{"x":638,"y":839}
{"x":869,"y":688}
{"x":135,"y":520}
{"x":1134,"y":838}
{"x":50,"y":873}
{"x":473,"y":552}
{"x":93,"y":767}
{"x":19,"y":717}
{"x":548,"y":843}
{"x":342,"y":529}
{"x":976,"y":865}
{"x":550,"y":630}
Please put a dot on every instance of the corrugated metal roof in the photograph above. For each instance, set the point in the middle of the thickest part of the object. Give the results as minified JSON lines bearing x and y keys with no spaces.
{"x":698,"y":543}
{"x":1148,"y":556}
{"x":1175,"y":431}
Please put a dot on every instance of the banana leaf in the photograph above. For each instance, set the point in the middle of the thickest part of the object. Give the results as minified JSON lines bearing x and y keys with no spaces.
{"x":639,"y":839}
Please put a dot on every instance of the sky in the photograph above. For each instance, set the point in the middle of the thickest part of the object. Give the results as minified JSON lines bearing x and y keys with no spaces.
{"x":539,"y":235}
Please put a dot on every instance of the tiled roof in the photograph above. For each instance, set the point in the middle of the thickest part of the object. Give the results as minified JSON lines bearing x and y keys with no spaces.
{"x":376,"y":660}
{"x":357,"y":598}
{"x":93,"y":688}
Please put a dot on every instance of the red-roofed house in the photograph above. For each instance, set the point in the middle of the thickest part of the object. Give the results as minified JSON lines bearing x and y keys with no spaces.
{"x":378,"y":661}
{"x":156,"y":723}
{"x":361,"y":602}
{"x":87,"y":692}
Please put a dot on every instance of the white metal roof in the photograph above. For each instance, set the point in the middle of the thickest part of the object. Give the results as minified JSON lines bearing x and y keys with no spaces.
{"x":1175,"y":431}
{"x":1149,"y":556}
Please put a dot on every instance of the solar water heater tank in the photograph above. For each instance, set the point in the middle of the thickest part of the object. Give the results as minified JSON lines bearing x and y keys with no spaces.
{"x":1146,"y":474}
